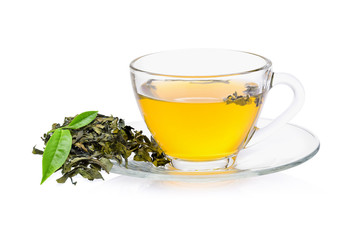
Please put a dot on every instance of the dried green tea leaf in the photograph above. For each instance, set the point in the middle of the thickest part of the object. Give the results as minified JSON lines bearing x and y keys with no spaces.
{"x":121,"y":123}
{"x":97,"y":130}
{"x":80,"y":145}
{"x":142,"y":155}
{"x":258,"y":100}
{"x":239,"y":100}
{"x":106,"y":164}
{"x":37,"y":151}
{"x":90,"y":174}
{"x":75,"y":162}
{"x":67,"y":175}
{"x":251,"y":94}
{"x":252,"y":89}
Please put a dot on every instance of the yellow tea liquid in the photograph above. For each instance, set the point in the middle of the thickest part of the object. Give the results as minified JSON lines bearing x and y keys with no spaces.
{"x":192,"y":121}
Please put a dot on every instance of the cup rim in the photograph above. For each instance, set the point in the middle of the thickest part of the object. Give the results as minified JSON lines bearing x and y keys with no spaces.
{"x":267,"y":65}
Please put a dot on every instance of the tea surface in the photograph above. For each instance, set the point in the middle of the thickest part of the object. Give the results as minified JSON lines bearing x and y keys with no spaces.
{"x":194,"y":120}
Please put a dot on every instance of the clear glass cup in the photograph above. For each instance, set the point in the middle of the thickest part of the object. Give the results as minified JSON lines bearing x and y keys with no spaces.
{"x":202,"y":105}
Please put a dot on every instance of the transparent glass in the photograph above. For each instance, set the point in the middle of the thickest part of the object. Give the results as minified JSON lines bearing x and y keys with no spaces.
{"x":202,"y":105}
{"x":286,"y":148}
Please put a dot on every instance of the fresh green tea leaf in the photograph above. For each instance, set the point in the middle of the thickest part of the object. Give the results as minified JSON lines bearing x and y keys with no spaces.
{"x":56,"y":152}
{"x":82,"y":120}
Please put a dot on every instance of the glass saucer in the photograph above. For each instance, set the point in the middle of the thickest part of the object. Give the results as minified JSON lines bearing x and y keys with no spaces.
{"x":289,"y":147}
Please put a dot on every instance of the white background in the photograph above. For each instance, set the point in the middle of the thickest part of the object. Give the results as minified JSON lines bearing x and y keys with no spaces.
{"x":60,"y":58}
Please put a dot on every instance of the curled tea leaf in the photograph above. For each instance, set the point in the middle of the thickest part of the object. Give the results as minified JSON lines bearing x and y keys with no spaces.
{"x":142,"y":155}
{"x":238,"y":99}
{"x":252,"y":89}
{"x":106,"y":164}
{"x":37,"y":151}
{"x":90,"y":173}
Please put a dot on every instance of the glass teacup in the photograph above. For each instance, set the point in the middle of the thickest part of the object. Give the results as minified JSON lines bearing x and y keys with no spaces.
{"x":201,"y":105}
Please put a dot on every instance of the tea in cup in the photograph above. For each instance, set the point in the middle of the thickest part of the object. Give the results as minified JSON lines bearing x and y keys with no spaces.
{"x":202,"y":105}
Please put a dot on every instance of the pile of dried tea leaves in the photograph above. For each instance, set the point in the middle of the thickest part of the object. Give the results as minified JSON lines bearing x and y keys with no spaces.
{"x":105,"y":138}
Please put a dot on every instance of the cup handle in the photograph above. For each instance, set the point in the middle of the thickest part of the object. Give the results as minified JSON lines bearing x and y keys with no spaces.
{"x":298,"y":101}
